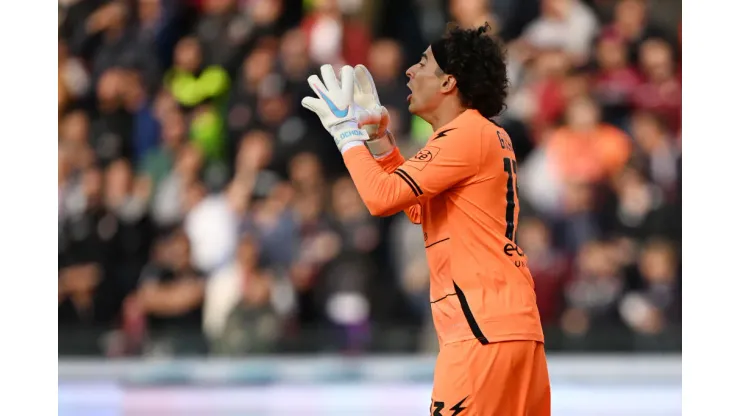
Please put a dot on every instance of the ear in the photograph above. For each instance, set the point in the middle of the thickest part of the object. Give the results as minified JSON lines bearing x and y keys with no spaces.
{"x":449,"y":83}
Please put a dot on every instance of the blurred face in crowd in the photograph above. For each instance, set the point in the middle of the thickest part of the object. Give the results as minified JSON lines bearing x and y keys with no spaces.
{"x":248,"y":253}
{"x":629,"y":16}
{"x":265,"y":12}
{"x":294,"y":52}
{"x":649,"y":133}
{"x":326,"y":6}
{"x":428,"y":85}
{"x":596,"y":261}
{"x":189,"y":162}
{"x":280,"y":197}
{"x":78,"y":156}
{"x":109,"y":89}
{"x":305,"y":169}
{"x":118,"y":182}
{"x":149,"y":11}
{"x":81,"y":279}
{"x":552,"y":64}
{"x":164,"y":104}
{"x":576,"y":86}
{"x":178,"y":250}
{"x":634,"y":193}
{"x":188,"y":54}
{"x":556,"y":9}
{"x":533,"y":236}
{"x":468,"y":12}
{"x":134,"y":93}
{"x":174,"y":130}
{"x":577,"y":198}
{"x":384,"y":60}
{"x":273,"y":109}
{"x":657,"y":263}
{"x":92,"y":186}
{"x":255,"y":150}
{"x":611,"y":53}
{"x":75,"y":128}
{"x":258,"y":66}
{"x":218,"y":6}
{"x":582,"y":114}
{"x":656,"y":60}
{"x":346,"y":202}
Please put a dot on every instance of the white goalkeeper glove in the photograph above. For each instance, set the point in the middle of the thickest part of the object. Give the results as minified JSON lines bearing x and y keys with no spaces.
{"x":335,"y":107}
{"x":372,"y":117}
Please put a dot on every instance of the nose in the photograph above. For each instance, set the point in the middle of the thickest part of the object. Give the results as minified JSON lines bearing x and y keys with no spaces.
{"x":410,"y":71}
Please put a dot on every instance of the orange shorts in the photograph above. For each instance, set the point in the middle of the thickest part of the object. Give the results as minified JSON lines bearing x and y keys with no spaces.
{"x":498,"y":379}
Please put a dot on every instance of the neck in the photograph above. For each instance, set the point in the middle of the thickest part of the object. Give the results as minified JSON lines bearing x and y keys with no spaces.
{"x":447,"y":111}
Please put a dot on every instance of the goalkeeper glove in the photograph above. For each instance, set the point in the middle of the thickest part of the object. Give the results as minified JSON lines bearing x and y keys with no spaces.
{"x":372,"y":117}
{"x":335,"y":107}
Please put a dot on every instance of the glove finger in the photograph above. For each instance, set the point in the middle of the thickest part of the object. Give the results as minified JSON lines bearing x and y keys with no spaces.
{"x":348,"y":82}
{"x":385,"y":119}
{"x":356,"y":88}
{"x":365,"y":79}
{"x":329,"y":77}
{"x":317,"y":86}
{"x":368,"y":118}
{"x":311,"y":103}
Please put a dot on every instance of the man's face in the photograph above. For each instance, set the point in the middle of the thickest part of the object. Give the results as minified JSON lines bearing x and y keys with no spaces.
{"x":424,"y":82}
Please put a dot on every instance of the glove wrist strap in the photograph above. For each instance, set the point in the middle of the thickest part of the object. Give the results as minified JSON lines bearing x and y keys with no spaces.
{"x":382,"y":146}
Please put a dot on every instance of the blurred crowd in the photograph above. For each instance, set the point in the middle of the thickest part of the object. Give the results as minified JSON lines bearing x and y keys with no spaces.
{"x":202,"y":210}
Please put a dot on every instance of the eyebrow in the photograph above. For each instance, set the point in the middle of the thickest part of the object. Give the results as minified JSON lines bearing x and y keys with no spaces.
{"x":424,"y":56}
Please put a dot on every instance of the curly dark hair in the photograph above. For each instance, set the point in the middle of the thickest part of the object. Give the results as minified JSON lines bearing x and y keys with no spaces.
{"x":478,"y":62}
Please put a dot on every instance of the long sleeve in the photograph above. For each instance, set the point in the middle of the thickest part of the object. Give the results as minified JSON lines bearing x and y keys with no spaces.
{"x":389,"y":164}
{"x":440,"y":165}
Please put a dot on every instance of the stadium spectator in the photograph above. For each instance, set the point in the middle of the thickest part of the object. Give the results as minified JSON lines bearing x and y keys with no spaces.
{"x":239,"y":316}
{"x":170,"y":295}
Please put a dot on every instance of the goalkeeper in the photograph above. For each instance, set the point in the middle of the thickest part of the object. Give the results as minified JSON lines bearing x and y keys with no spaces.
{"x":462,"y":189}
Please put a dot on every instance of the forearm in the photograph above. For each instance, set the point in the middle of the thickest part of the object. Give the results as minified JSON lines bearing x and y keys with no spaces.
{"x":166,"y":301}
{"x":383,"y":193}
{"x":389,"y":164}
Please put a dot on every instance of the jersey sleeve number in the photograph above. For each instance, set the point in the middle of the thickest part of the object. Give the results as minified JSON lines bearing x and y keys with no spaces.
{"x":512,"y":190}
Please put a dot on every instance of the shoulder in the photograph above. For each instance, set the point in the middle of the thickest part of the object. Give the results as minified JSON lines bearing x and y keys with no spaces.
{"x":468,"y":126}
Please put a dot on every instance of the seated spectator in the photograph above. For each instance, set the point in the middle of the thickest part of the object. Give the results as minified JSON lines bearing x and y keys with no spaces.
{"x":567,"y":25}
{"x":548,"y":264}
{"x":240,"y":316}
{"x":632,"y":24}
{"x":592,"y":296}
{"x":201,"y":89}
{"x":615,"y":81}
{"x":658,"y":151}
{"x":168,"y":208}
{"x":654,"y":307}
{"x":473,"y":13}
{"x":586,"y":149}
{"x":660,"y":91}
{"x":170,"y":295}
{"x":86,"y":307}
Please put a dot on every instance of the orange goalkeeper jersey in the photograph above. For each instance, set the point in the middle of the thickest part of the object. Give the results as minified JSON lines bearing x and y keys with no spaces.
{"x":461,"y":187}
